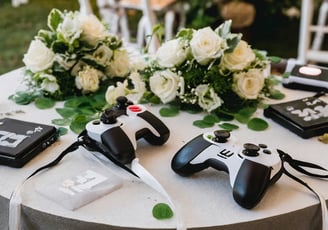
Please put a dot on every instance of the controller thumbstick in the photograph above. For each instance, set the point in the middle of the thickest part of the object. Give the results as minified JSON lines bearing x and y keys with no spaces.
{"x":251,"y":150}
{"x":108,"y":116}
{"x":221,"y":136}
{"x":121,"y":102}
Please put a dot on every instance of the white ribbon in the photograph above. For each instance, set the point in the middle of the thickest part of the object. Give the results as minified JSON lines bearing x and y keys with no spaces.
{"x":148,"y":179}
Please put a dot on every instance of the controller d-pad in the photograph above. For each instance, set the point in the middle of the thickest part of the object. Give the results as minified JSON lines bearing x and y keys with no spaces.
{"x":251,"y":150}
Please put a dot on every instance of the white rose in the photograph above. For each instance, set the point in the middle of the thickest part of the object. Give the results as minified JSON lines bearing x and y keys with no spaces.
{"x":93,"y":29}
{"x":38,"y":57}
{"x":165,"y":85}
{"x":240,"y":58}
{"x":87,"y":80}
{"x":120,"y":65}
{"x":249,"y":84}
{"x":64,"y":61}
{"x":171,"y":53}
{"x":49,"y":83}
{"x":206,"y":45}
{"x":139,"y":87}
{"x":207,"y":98}
{"x":70,"y":28}
{"x":114,"y":92}
{"x":101,"y":56}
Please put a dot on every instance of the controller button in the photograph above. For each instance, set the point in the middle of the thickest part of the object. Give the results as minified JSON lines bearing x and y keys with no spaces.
{"x":96,"y":122}
{"x":251,"y":150}
{"x":135,"y":108}
{"x":263,"y":146}
{"x":267,"y":151}
{"x":221,"y":136}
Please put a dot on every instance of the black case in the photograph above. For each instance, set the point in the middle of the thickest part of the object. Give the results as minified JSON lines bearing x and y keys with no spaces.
{"x":306,"y":117}
{"x":20,"y":141}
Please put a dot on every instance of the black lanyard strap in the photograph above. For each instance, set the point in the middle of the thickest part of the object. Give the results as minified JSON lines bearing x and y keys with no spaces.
{"x":85,"y":141}
{"x":299,"y":165}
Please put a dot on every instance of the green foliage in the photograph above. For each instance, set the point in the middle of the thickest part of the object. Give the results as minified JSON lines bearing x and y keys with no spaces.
{"x":257,"y":124}
{"x":162,"y":211}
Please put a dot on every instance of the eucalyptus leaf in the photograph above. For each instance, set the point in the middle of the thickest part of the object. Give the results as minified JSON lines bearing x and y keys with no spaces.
{"x":276,"y":94}
{"x":228,"y":126}
{"x":62,"y":131}
{"x":66,"y":112}
{"x":162,"y":211}
{"x":61,"y":122}
{"x":78,"y":123}
{"x":44,"y":102}
{"x":257,"y":124}
{"x":169,"y":111}
{"x":211,"y":118}
{"x":275,"y":59}
{"x":203,"y":124}
{"x":23,"y":98}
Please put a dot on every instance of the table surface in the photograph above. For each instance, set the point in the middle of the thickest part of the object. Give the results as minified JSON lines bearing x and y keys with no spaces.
{"x":204,"y":199}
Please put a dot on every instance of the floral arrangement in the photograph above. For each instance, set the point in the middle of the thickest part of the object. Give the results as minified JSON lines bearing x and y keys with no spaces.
{"x":199,"y":70}
{"x":205,"y":69}
{"x":74,"y":57}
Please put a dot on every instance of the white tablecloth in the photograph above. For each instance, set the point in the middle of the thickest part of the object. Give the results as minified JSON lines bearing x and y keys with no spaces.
{"x":205,"y":199}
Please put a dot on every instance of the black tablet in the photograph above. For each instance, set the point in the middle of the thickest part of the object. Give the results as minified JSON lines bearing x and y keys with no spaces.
{"x":306,"y":117}
{"x":20,"y":140}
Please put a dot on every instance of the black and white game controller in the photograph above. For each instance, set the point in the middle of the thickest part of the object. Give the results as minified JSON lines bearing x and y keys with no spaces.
{"x":120,"y":127}
{"x":252,"y":168}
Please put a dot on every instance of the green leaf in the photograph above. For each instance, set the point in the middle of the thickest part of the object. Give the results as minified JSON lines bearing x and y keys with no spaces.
{"x":202,"y":124}
{"x":44,"y":102}
{"x":78,"y":123}
{"x":276,"y":94}
{"x":169,"y":111}
{"x":66,"y":112}
{"x":275,"y":59}
{"x":211,"y":118}
{"x":244,"y":114}
{"x":162,"y":211}
{"x":62,"y":131}
{"x":61,"y":122}
{"x":54,"y":19}
{"x":22,"y":98}
{"x":257,"y":124}
{"x":228,"y":126}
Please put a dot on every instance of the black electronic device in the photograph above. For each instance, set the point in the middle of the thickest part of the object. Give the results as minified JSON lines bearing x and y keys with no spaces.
{"x":20,"y":140}
{"x":307,"y":117}
{"x":308,"y":78}
{"x":252,"y":168}
{"x":121,"y":126}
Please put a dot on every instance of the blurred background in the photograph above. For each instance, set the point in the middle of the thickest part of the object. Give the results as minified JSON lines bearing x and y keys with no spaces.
{"x":271,"y":25}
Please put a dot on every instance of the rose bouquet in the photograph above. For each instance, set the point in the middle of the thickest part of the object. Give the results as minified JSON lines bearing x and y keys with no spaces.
{"x":75,"y":56}
{"x":205,"y":69}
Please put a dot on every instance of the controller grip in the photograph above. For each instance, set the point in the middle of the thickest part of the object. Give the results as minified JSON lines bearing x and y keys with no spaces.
{"x":118,"y":144}
{"x":158,"y":125}
{"x":251,"y":183}
{"x":181,"y":160}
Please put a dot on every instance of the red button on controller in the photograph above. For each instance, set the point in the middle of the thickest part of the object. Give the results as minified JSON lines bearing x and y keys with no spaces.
{"x":135,"y":108}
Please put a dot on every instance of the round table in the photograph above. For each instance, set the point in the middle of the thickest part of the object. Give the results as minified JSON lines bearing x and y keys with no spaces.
{"x":204,"y":200}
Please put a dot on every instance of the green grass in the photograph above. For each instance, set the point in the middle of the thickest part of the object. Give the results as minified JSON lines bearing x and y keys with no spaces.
{"x":19,"y":25}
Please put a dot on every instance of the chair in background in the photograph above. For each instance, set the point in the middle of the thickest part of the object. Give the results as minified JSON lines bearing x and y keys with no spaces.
{"x":115,"y":13}
{"x":85,"y":7}
{"x":310,"y":50}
